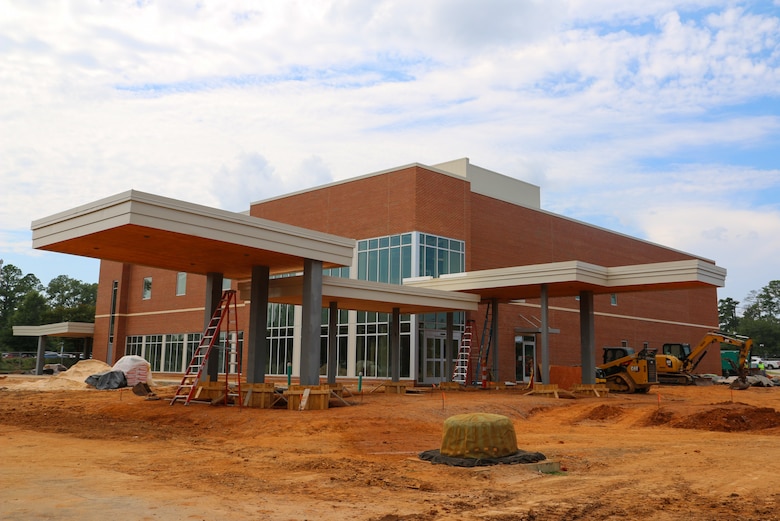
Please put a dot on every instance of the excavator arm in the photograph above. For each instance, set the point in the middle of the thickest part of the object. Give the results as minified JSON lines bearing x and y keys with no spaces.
{"x":744,"y":344}
{"x":697,"y":353}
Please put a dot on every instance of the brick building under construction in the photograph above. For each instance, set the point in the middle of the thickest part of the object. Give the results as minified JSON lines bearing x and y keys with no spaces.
{"x":401,"y":261}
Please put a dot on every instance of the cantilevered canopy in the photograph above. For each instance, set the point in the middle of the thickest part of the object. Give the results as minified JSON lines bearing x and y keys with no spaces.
{"x":140,"y":228}
{"x":570,"y":278}
{"x":369,"y":296}
{"x":60,"y":329}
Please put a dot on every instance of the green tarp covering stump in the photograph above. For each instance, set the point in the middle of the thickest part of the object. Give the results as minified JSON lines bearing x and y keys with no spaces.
{"x":478,"y":435}
{"x":478,"y":439}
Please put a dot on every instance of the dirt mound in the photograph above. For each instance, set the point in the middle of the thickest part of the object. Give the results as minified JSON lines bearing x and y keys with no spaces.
{"x":724,"y":418}
{"x":602,"y":413}
{"x":72,"y":379}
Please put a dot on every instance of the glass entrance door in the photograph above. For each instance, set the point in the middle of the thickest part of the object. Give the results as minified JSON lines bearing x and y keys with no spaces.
{"x":525,"y":359}
{"x":434,"y":356}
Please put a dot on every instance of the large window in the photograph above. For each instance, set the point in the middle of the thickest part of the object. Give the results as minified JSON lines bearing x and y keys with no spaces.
{"x":153,"y":345}
{"x":134,"y":345}
{"x":147,"y":289}
{"x":193,"y":341}
{"x":174,"y":353}
{"x":280,"y":334}
{"x":181,"y":283}
{"x":342,"y":337}
{"x":385,"y":259}
{"x":373,"y":344}
{"x":440,"y":255}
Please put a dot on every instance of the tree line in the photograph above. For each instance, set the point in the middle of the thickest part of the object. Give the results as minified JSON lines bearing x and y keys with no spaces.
{"x":25,"y":301}
{"x":760,"y":319}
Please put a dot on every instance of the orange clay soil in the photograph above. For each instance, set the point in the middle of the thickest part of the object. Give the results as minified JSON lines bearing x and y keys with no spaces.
{"x":677,"y":453}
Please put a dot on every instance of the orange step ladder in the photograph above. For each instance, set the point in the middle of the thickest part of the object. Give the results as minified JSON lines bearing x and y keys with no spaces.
{"x":224,"y":319}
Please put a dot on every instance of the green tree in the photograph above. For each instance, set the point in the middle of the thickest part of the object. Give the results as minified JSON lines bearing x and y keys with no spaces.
{"x":765,"y":335}
{"x":66,"y":293}
{"x":24,"y":302}
{"x":761,"y":319}
{"x":70,"y":300}
{"x":30,"y":312}
{"x":727,"y":315}
{"x":13,"y":288}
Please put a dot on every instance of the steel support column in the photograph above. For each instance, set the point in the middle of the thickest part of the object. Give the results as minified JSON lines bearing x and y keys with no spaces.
{"x":395,"y":346}
{"x":587,"y":338}
{"x":213,"y":296}
{"x":450,"y":352}
{"x":41,"y":352}
{"x":545,"y":334}
{"x":495,"y":340}
{"x":311,"y":322}
{"x":333,"y":345}
{"x":257,"y":343}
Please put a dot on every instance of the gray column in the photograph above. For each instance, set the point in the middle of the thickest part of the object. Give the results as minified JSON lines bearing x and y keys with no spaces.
{"x":494,"y":328}
{"x":450,"y":351}
{"x":333,"y":342}
{"x":257,"y":343}
{"x":311,"y":322}
{"x":395,"y":345}
{"x":545,"y":334}
{"x":587,"y":338}
{"x":41,"y":351}
{"x":87,"y":347}
{"x":213,"y":296}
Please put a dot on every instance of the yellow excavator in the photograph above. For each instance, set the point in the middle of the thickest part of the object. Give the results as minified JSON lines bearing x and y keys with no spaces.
{"x":625,"y":371}
{"x":676,"y":363}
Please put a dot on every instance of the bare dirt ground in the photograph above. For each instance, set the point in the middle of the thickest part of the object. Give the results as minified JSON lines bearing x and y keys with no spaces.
{"x":677,"y":453}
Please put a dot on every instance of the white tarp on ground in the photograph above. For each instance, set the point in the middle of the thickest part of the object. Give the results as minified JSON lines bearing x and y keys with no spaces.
{"x":136,"y":369}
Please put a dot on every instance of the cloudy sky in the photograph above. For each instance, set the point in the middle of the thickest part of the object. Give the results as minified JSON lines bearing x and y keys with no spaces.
{"x":658,"y":119}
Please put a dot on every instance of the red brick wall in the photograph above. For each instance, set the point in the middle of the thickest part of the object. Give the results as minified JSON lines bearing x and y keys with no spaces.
{"x":368,"y":207}
{"x":507,"y":235}
{"x":405,"y":200}
{"x":163,"y":313}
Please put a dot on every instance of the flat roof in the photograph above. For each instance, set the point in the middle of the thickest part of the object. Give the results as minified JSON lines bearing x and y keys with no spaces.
{"x":570,"y":277}
{"x":60,"y":329}
{"x":368,"y":296}
{"x":150,"y":230}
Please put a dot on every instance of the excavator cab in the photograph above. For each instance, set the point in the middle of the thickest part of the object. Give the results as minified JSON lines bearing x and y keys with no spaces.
{"x":681,"y":351}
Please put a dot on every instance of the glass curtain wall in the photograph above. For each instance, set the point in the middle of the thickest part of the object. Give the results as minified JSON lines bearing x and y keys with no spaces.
{"x":383,"y":259}
{"x":391,"y":259}
{"x":387,"y":259}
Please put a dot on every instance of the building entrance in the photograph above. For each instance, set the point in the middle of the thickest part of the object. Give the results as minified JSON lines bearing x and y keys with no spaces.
{"x":434,"y":355}
{"x":525,"y":358}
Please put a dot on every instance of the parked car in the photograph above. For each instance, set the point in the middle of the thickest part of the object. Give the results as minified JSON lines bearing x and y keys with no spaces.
{"x":772,"y":364}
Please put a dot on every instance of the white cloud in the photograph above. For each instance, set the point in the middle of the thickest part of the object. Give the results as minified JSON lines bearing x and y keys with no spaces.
{"x":621,"y":111}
